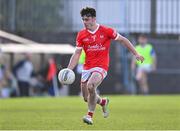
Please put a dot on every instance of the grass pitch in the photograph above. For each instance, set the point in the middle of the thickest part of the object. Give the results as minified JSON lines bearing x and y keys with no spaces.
{"x":65,"y":113}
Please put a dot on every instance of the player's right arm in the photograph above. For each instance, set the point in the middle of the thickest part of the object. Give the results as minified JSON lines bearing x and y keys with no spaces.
{"x":74,"y":59}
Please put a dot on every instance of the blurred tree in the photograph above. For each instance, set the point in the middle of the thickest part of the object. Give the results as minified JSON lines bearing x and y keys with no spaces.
{"x":38,"y":15}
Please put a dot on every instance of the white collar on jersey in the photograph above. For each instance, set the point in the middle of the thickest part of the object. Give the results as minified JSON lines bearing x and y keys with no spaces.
{"x":93,"y":32}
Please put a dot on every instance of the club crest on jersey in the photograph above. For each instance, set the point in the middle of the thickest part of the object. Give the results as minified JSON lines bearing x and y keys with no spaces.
{"x":101,"y":36}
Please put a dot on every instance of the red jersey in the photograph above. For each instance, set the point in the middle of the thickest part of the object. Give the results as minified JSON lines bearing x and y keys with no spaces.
{"x":96,"y":46}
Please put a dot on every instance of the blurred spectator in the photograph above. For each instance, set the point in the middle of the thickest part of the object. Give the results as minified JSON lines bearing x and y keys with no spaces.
{"x":23,"y":71}
{"x":47,"y":78}
{"x":51,"y":77}
{"x":149,"y":64}
{"x":6,"y":81}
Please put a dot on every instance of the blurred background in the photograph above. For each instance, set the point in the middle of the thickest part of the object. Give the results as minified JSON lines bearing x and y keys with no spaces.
{"x":37,"y":39}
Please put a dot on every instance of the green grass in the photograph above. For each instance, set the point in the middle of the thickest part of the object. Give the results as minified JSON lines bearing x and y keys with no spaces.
{"x":65,"y":113}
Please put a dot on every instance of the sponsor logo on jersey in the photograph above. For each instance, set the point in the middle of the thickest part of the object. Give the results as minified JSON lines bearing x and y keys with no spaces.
{"x":96,"y":47}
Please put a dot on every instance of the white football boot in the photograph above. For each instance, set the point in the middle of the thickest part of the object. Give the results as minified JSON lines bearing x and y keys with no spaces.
{"x":88,"y":120}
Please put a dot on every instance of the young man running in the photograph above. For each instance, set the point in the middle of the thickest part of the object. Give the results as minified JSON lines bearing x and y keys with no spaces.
{"x":95,"y":39}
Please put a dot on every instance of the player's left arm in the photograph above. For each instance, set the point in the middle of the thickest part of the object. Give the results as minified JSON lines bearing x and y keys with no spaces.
{"x":129,"y":45}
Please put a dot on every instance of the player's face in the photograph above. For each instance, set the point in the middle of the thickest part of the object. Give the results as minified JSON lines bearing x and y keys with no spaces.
{"x":88,"y":22}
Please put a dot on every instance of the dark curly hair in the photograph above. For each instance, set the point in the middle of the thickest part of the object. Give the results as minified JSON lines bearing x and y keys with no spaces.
{"x":88,"y":11}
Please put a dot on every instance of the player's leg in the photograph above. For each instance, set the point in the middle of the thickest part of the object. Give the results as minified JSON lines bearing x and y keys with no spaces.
{"x":85,"y":93}
{"x":84,"y":90}
{"x":87,"y":119}
{"x":139,"y":76}
{"x":142,"y":81}
{"x":92,"y":84}
{"x":144,"y":88}
{"x":84,"y":79}
{"x":103,"y":102}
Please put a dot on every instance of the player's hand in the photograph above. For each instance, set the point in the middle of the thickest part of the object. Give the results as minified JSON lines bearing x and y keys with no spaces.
{"x":139,"y":58}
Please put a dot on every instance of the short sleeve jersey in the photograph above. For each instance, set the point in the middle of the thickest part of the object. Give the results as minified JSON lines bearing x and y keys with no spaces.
{"x":96,"y":46}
